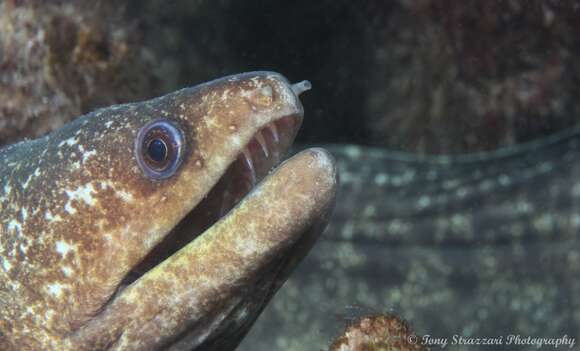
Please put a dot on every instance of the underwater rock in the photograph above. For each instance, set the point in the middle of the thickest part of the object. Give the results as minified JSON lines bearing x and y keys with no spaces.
{"x":378,"y":333}
{"x":412,"y":75}
{"x":61,"y":59}
{"x":472,"y":76}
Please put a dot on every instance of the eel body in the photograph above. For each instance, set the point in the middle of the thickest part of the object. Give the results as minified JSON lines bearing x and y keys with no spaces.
{"x":110,"y":229}
{"x":473,"y":245}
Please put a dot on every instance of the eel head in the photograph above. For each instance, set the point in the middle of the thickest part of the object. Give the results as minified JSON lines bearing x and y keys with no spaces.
{"x":160,"y":224}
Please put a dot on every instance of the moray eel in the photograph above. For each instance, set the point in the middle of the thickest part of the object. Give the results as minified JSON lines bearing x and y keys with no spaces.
{"x":111,"y":228}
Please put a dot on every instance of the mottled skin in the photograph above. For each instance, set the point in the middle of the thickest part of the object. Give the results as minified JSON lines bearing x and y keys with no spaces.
{"x":483,"y":244}
{"x":77,"y":213}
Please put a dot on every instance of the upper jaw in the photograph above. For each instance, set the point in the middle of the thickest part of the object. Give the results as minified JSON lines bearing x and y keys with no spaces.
{"x":266,"y":141}
{"x":265,"y":150}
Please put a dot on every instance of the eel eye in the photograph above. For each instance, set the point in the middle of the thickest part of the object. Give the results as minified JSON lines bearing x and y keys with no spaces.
{"x":159,"y":148}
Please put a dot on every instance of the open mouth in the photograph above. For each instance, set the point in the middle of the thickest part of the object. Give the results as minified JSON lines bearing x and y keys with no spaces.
{"x":263,"y":152}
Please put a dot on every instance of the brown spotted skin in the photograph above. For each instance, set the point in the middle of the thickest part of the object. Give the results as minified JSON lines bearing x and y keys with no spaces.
{"x":77,"y":213}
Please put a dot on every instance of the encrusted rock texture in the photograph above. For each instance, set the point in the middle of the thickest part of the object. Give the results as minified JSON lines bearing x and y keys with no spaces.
{"x":60,"y":59}
{"x":378,"y":332}
{"x":472,"y":76}
{"x":413,"y":75}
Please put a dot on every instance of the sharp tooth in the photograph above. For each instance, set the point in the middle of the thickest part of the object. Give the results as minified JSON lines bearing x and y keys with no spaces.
{"x":274,"y":130}
{"x":226,"y":198}
{"x":262,"y":142}
{"x":248,"y":160}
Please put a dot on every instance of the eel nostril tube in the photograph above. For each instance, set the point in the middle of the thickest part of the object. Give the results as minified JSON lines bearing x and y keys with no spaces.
{"x":300,"y":87}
